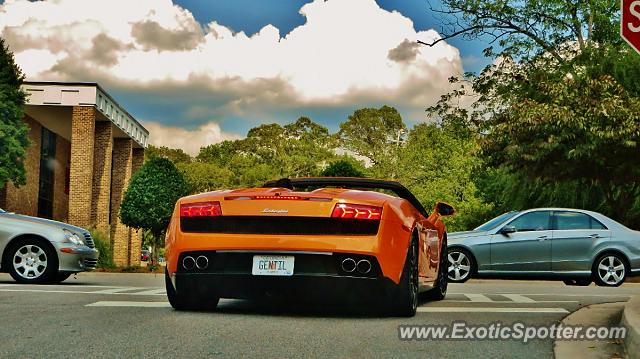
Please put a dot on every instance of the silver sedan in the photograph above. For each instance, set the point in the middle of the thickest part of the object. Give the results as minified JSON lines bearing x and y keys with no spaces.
{"x":572,"y":245}
{"x":36,"y":250}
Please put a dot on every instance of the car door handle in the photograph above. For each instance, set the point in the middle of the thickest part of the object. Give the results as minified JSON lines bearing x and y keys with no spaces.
{"x":542,"y":238}
{"x":595,"y":235}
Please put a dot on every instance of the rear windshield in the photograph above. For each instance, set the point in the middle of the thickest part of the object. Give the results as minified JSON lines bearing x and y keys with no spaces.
{"x":496,"y":221}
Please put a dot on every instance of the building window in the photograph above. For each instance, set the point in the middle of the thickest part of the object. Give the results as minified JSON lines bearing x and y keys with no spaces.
{"x":47,"y":173}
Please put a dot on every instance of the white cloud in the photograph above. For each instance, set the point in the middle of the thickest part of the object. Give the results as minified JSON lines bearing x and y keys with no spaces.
{"x":347,"y":54}
{"x":189,"y":141}
{"x":36,"y":61}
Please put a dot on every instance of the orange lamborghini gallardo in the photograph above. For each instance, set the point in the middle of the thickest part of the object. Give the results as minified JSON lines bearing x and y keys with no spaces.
{"x":329,"y":238}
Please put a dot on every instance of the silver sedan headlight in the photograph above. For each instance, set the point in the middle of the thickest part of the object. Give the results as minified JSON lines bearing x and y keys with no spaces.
{"x":72,"y":237}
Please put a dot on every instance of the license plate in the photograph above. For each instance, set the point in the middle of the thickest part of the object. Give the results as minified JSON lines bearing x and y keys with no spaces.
{"x":272,"y":265}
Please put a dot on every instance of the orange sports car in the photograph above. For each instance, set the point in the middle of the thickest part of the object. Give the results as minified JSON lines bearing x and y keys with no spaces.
{"x":325,"y":238}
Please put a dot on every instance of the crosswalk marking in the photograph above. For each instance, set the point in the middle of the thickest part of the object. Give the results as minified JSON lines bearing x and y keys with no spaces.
{"x":427,"y":309}
{"x":117,"y":290}
{"x":478,"y":298}
{"x":111,"y":291}
{"x":489,"y":310}
{"x":129,"y":304}
{"x":159,"y":291}
{"x":517,"y":298}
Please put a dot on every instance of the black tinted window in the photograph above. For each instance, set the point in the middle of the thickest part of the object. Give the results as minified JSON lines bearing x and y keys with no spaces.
{"x":533,"y":221}
{"x":575,"y":220}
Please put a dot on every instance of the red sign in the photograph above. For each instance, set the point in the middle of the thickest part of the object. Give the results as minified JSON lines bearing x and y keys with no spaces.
{"x":630,"y":23}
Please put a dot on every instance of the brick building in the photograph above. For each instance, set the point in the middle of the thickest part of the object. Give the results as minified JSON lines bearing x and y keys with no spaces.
{"x":84,"y":149}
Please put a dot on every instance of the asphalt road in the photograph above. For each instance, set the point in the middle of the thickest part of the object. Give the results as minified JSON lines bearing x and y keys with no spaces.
{"x":127,"y":316}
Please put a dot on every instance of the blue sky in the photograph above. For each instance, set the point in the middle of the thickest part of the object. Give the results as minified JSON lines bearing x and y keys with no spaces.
{"x":196,"y":72}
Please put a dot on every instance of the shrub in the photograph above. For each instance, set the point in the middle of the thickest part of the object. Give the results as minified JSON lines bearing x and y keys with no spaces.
{"x":103,"y":244}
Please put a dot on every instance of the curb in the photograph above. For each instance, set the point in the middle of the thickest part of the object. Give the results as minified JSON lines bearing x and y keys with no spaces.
{"x":604,"y":314}
{"x":631,"y":320}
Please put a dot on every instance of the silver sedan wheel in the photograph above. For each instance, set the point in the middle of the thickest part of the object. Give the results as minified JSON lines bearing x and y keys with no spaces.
{"x":459,"y":266}
{"x":30,"y":261}
{"x":611,"y":270}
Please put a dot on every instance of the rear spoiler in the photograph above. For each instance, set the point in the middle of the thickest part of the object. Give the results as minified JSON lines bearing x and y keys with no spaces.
{"x":349,"y":182}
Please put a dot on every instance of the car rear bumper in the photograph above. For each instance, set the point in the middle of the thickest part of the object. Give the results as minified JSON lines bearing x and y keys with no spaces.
{"x":320,"y":275}
{"x":300,"y":288}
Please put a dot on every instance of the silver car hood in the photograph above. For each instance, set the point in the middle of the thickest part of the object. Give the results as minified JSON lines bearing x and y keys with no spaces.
{"x":465,"y":234}
{"x":44,"y":222}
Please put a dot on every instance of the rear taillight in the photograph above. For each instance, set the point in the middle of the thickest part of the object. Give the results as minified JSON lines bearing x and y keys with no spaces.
{"x":200,"y":209}
{"x":356,"y":211}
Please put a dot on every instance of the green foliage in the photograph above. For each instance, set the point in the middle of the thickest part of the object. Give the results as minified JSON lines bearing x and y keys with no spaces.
{"x":564,"y":137}
{"x":438,"y":163}
{"x":205,"y":177}
{"x":374,"y":133}
{"x":558,"y":114}
{"x":151,"y":196}
{"x":269,"y":151}
{"x":13,"y":130}
{"x":173,"y":154}
{"x":103,"y":245}
{"x":344,"y":167}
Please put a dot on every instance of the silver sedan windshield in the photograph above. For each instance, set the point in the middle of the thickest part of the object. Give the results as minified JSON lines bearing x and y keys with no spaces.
{"x":496,"y":221}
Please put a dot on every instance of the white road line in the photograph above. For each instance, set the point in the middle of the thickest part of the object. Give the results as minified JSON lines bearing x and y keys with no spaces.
{"x":56,"y":285}
{"x":129,"y":304}
{"x":510,"y":302}
{"x":47,"y":291}
{"x":555,"y":294}
{"x":489,"y":310}
{"x":159,"y":291}
{"x":583,"y":295}
{"x":118,"y":290}
{"x":478,"y":298}
{"x":69,"y":291}
{"x":517,"y":298}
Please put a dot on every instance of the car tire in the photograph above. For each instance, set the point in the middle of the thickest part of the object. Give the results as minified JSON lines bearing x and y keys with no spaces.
{"x":180,"y":301}
{"x":406,"y":301}
{"x":578,"y":282}
{"x":465,"y":262}
{"x":32,"y":260}
{"x":439,"y":291}
{"x":610,"y":270}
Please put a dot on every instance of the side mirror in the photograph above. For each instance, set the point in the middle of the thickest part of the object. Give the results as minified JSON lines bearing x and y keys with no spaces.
{"x":445,"y":209}
{"x":506,"y":230}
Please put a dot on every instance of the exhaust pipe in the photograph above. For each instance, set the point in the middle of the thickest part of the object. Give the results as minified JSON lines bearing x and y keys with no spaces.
{"x":348,"y":265}
{"x":202,"y":262}
{"x":188,"y":263}
{"x":363,"y":266}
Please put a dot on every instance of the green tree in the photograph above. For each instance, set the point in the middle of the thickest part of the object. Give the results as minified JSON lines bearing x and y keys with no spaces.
{"x":13,"y":130}
{"x":567,"y":138}
{"x":344,"y":167}
{"x":219,"y":153}
{"x":269,"y":151}
{"x":438,"y":163}
{"x":175,"y":155}
{"x":205,"y":177}
{"x":375,"y":134}
{"x":558,"y":110}
{"x":151,"y":196}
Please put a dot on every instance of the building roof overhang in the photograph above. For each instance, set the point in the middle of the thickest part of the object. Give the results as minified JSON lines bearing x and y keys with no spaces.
{"x":69,"y":94}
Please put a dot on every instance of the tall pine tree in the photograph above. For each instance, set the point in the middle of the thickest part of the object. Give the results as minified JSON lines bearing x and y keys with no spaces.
{"x":13,"y":130}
